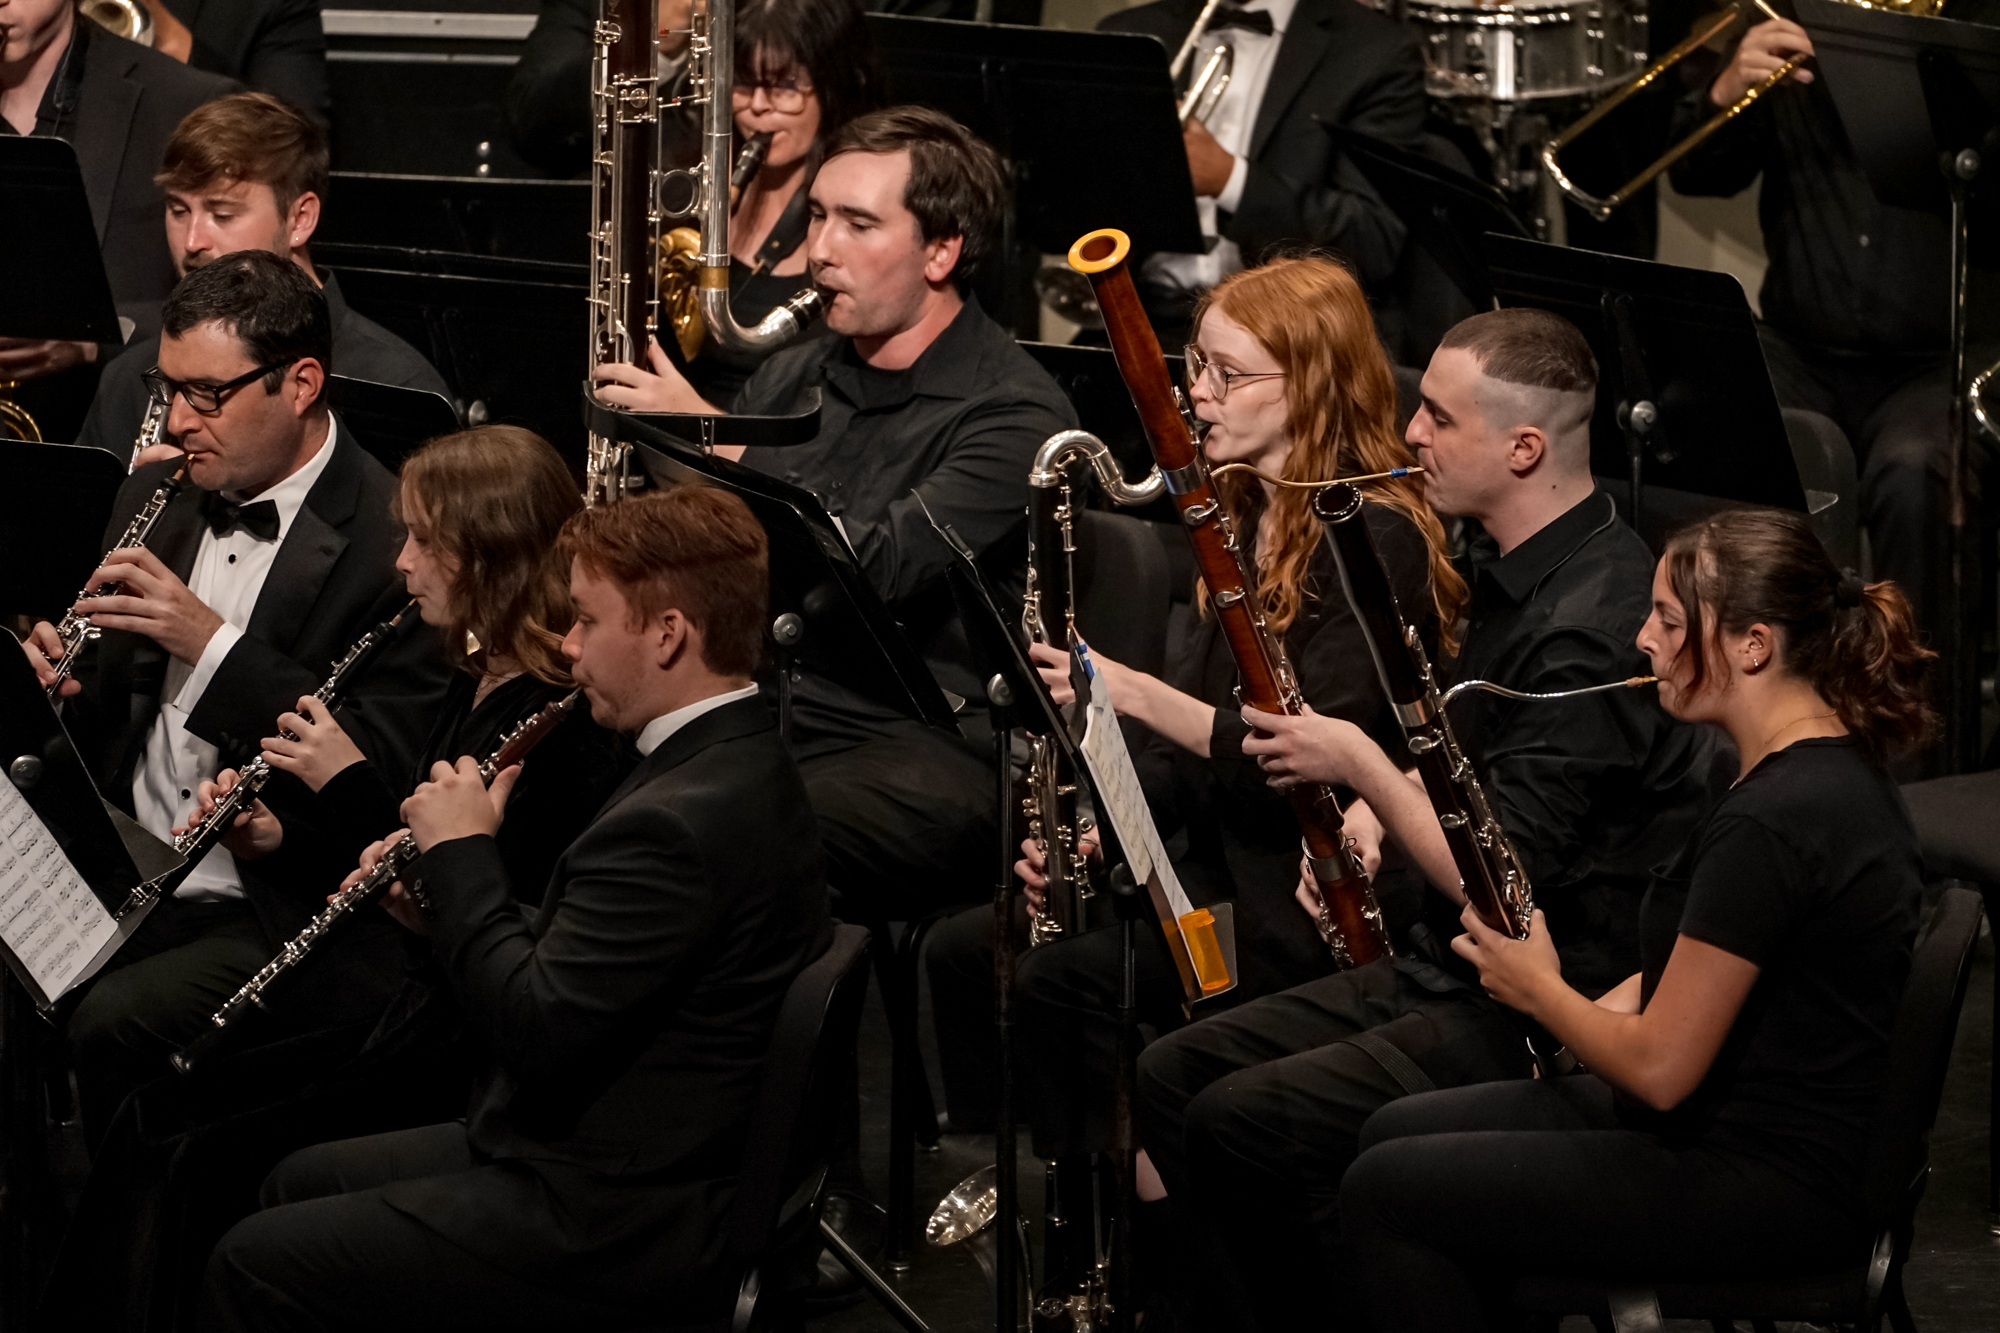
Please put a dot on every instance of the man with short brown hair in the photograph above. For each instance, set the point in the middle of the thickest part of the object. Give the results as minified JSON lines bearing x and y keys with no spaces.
{"x":627,"y":1020}
{"x":248,"y":172}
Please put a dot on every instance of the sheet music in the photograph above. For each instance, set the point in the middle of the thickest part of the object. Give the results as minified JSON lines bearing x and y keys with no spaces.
{"x":1110,"y":765}
{"x":49,"y":917}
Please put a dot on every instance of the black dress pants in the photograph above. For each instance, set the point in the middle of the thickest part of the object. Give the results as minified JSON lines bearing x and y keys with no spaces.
{"x":329,"y":1253}
{"x":1460,"y":1192}
{"x":1253,"y":1116}
{"x":176,"y":970}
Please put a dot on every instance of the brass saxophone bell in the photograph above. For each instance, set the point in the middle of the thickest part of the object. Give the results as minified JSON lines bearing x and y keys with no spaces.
{"x":680,"y":306}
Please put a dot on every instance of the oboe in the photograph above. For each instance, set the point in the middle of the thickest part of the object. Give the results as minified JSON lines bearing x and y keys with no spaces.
{"x":396,"y":860}
{"x":201,"y":836}
{"x":76,"y":629}
{"x":1349,"y":919}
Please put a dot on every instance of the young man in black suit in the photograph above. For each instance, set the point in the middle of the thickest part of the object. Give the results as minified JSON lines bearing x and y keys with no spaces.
{"x":627,"y":1019}
{"x":248,"y":172}
{"x":272,"y":558}
{"x":1267,"y":175}
{"x":117,"y":103}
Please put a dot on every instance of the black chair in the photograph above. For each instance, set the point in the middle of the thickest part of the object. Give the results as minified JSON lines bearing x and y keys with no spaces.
{"x":1958,"y":828}
{"x":774,"y":1232}
{"x":1861,"y":1293}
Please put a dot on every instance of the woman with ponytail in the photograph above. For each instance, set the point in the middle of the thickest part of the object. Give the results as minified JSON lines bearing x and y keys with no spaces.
{"x":1722,"y":1128}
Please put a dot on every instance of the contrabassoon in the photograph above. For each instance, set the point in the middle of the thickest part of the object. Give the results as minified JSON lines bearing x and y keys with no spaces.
{"x":1349,"y":919}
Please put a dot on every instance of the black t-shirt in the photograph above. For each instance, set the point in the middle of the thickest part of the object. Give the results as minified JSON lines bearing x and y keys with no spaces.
{"x":1808,"y":868}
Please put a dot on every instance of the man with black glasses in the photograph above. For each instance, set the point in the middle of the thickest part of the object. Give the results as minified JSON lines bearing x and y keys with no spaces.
{"x":275,"y":554}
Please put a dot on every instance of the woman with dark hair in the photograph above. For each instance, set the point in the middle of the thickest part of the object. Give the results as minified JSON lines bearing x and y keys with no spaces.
{"x":361,"y":1040}
{"x":1722,"y":1128}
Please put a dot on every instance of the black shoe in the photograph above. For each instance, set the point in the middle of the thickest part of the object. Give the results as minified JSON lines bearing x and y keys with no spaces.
{"x":859,"y":1223}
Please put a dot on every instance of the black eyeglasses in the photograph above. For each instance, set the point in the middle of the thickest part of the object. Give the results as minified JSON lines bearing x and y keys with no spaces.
{"x":207,"y":399}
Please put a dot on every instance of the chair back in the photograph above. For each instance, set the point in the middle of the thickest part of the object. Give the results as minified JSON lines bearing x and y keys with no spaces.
{"x":1123,"y":589}
{"x":1919,"y":1054}
{"x":792,"y":1122}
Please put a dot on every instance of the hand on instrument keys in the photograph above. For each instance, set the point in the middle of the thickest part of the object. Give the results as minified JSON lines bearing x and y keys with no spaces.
{"x":32,"y":358}
{"x":1763,"y":49}
{"x":1517,"y":973}
{"x":1032,"y":864}
{"x":43,"y":648}
{"x":321,"y":750}
{"x":154,"y":602}
{"x":664,"y":389}
{"x":1306,"y":748}
{"x":1209,"y":163}
{"x":155,"y":453}
{"x":1052,"y":663}
{"x":253,"y":833}
{"x":397,"y":902}
{"x":1364,"y":831}
{"x":456,"y":804}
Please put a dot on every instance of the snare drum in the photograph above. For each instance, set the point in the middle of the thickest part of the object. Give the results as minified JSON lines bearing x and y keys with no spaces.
{"x":1528,"y":49}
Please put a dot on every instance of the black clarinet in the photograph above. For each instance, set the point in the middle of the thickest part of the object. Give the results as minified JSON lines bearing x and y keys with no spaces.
{"x":200,"y":837}
{"x":396,"y":859}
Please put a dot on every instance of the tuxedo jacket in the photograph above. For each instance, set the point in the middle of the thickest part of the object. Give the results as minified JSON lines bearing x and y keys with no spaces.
{"x":131,"y":102}
{"x":1340,"y":63}
{"x":334,"y":579}
{"x":629,"y":1017}
{"x":274,"y":46}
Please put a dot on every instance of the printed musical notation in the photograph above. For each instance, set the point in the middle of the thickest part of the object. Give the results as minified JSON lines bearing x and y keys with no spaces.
{"x":1110,"y":765}
{"x":51,"y":921}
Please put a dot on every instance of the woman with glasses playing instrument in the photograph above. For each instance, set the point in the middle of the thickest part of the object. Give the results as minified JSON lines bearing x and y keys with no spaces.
{"x":1287,"y":371}
{"x":182,"y":1160}
{"x":804,"y":68}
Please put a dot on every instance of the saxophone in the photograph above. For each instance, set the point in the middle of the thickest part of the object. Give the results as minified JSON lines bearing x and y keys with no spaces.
{"x":1048,"y":615}
{"x":76,"y":629}
{"x":204,"y":833}
{"x":396,"y":860}
{"x":1350,"y":921}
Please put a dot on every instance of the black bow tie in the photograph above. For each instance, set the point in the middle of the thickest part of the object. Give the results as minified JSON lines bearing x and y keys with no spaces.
{"x":1231,"y":16}
{"x":258,"y":518}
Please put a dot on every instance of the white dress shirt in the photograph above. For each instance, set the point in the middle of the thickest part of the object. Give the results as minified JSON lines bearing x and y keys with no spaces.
{"x":228,"y":576}
{"x":1235,"y":116}
{"x":654,"y":734}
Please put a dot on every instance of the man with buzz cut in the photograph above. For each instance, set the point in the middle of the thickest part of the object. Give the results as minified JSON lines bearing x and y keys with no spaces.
{"x":1251,"y":1118}
{"x":248,"y":172}
{"x":626,"y":1021}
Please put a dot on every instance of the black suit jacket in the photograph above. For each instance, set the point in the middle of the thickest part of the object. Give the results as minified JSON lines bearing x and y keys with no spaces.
{"x":131,"y":102}
{"x":1340,"y":63}
{"x":628,"y":1019}
{"x":334,"y":579}
{"x":275,"y":46}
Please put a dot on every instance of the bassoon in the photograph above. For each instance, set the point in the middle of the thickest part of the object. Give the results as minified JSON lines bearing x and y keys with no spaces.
{"x":1349,"y":919}
{"x":397,"y":858}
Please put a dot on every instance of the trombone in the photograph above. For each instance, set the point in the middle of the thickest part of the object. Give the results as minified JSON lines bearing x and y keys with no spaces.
{"x":1745,"y":11}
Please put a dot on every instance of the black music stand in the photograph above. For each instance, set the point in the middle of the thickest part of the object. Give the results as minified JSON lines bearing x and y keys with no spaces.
{"x":1446,"y":211}
{"x":52,"y":282}
{"x":821,"y":599}
{"x":1684,"y":398}
{"x":1920,"y":101}
{"x":55,"y":536}
{"x":389,"y":421}
{"x":1086,"y":120}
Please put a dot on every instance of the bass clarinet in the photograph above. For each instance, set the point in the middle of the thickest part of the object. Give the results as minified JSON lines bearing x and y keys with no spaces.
{"x":396,"y":860}
{"x":201,"y":836}
{"x":76,"y":629}
{"x":1350,"y":921}
{"x":1048,"y":615}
